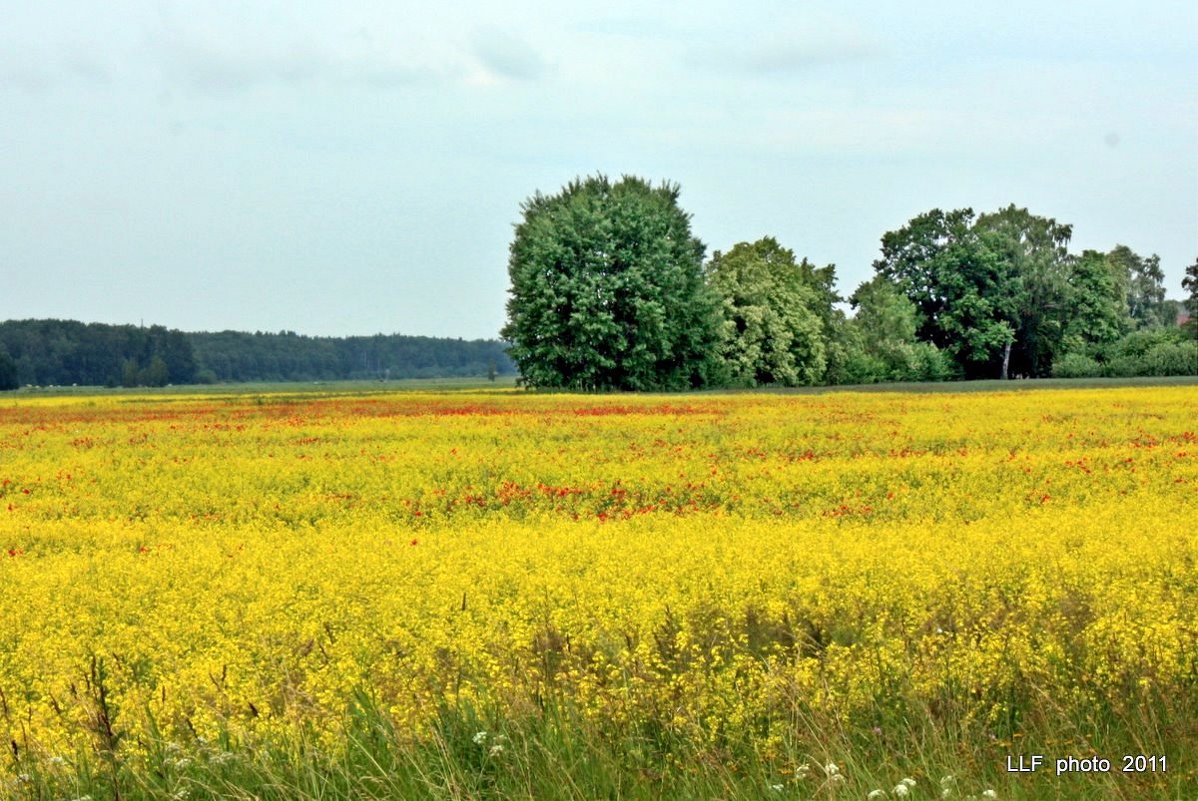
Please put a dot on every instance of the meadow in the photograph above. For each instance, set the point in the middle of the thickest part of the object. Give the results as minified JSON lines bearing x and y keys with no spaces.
{"x":473,"y":593}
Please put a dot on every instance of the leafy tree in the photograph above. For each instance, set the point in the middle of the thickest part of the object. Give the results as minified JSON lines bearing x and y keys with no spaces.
{"x":884,"y":315}
{"x":1144,"y":283}
{"x":1097,"y":314}
{"x":156,"y":373}
{"x":8,"y":372}
{"x":607,"y":290}
{"x":966,"y":293}
{"x":771,"y":331}
{"x":1190,"y":284}
{"x":885,"y":324}
{"x":1035,"y":251}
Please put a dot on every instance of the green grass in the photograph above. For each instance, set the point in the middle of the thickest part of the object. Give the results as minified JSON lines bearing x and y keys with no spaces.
{"x":553,"y":755}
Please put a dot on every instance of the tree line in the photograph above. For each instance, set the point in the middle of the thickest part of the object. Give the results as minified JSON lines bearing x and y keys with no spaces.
{"x":610,"y":290}
{"x":66,"y":352}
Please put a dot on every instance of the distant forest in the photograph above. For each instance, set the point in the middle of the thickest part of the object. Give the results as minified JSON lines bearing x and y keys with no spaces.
{"x":65,"y":352}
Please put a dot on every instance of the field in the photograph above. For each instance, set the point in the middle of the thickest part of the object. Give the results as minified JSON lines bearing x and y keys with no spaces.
{"x":500,"y":594}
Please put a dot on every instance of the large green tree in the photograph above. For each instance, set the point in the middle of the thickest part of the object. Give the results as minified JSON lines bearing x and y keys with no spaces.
{"x":1097,"y":311}
{"x":1189,"y":283}
{"x":1144,"y":283}
{"x":1035,"y":252}
{"x":967,"y":294}
{"x":773,"y":327}
{"x":8,"y":371}
{"x":607,"y":290}
{"x":884,"y":346}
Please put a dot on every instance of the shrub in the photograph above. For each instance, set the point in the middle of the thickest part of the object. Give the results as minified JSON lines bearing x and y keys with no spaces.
{"x":1076,"y":365}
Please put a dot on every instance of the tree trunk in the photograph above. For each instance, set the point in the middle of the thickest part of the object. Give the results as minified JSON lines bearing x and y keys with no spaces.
{"x":1006,"y":360}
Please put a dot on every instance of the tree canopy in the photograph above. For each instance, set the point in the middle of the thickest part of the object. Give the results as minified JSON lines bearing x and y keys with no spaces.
{"x":772,"y":327}
{"x":607,"y":290}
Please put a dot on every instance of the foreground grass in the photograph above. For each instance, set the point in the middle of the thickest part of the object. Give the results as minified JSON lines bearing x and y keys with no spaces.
{"x":555,"y":756}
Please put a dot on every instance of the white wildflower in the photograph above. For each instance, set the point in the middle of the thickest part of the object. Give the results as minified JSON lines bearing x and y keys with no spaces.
{"x":496,"y":750}
{"x":480,"y":738}
{"x":836,"y":778}
{"x":831,"y":769}
{"x":802,"y":770}
{"x":908,"y":781}
{"x":777,"y":788}
{"x":875,"y":794}
{"x":989,"y":795}
{"x":901,"y":790}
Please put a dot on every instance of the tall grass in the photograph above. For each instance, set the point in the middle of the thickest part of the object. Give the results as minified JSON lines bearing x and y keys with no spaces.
{"x":551,"y":753}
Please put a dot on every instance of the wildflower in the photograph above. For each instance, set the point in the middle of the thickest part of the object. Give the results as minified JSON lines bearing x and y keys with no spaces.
{"x":480,"y":738}
{"x":989,"y":795}
{"x":901,"y":790}
{"x":777,"y":788}
{"x":875,"y":794}
{"x":802,"y":770}
{"x":831,"y":770}
{"x":908,"y":781}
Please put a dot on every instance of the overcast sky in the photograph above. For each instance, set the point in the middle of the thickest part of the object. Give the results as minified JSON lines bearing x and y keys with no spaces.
{"x":356,"y":167}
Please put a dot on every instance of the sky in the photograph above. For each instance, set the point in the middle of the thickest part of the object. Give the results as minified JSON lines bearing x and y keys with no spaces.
{"x":356,"y":167}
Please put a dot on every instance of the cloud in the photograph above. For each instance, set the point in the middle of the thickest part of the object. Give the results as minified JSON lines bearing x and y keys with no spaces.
{"x":799,"y":57}
{"x":40,"y":71}
{"x":787,"y":57}
{"x":508,"y":57}
{"x":210,"y":70}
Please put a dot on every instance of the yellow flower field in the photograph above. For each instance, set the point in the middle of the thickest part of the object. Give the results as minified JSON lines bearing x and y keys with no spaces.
{"x":740,"y":572}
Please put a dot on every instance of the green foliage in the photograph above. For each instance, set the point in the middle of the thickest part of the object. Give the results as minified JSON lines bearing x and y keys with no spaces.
{"x":883,"y":339}
{"x":1076,"y":365}
{"x":773,"y":329}
{"x":1145,"y":352}
{"x":884,"y":314}
{"x":67,"y":352}
{"x":8,"y":372}
{"x":287,"y":356}
{"x":1097,"y":312}
{"x":1035,"y":252}
{"x":1151,"y":352}
{"x":1172,"y":358}
{"x":1144,"y":287}
{"x":607,"y":291}
{"x":1190,"y":285}
{"x":966,"y":293}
